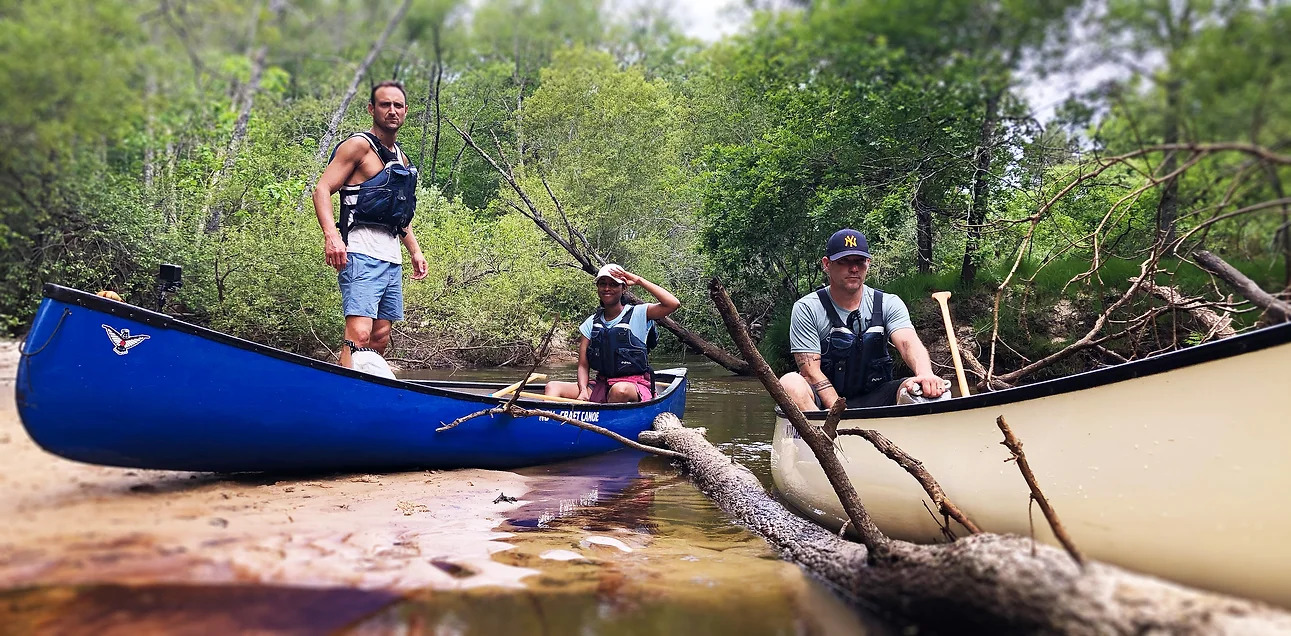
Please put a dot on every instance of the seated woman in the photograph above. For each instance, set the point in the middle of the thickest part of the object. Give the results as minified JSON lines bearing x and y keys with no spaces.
{"x":616,"y":341}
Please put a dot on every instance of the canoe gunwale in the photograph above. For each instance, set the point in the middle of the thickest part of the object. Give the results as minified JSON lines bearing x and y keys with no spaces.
{"x":151,"y":318}
{"x":1216,"y":350}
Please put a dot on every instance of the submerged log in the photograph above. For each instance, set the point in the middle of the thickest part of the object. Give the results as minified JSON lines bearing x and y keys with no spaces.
{"x":982,"y":582}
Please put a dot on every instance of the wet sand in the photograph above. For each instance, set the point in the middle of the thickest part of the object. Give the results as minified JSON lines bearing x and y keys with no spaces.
{"x":68,"y":523}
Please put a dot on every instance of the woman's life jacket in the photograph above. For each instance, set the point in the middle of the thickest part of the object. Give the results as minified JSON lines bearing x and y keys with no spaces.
{"x":388,"y":199}
{"x":855,"y":366}
{"x":615,"y":352}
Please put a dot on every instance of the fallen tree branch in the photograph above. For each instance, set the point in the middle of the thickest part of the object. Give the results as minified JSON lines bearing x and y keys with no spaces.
{"x":515,"y":411}
{"x":1014,"y":445}
{"x":1216,"y":326}
{"x":981,"y":583}
{"x":1278,"y":310}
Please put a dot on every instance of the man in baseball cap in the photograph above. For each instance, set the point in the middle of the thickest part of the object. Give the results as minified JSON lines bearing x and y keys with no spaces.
{"x":839,"y":336}
{"x":616,"y":342}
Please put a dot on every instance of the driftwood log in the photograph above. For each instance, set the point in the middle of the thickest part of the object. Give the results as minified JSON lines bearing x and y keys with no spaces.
{"x":982,"y":582}
{"x":1217,"y":326}
{"x":1278,"y":311}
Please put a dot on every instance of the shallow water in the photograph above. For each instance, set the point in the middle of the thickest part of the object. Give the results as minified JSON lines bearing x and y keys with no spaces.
{"x":621,"y":543}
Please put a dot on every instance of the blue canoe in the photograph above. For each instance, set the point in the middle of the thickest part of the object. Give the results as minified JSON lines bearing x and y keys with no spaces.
{"x":105,"y":382}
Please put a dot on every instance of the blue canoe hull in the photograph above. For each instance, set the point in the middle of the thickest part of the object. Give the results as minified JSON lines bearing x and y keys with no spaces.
{"x":189,"y":398}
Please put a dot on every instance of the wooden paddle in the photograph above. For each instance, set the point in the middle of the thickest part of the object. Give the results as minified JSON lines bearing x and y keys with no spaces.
{"x":533,"y":377}
{"x":941,"y":297}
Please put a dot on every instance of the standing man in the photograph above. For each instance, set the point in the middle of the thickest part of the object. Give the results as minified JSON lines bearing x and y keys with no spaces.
{"x":616,"y":342}
{"x":378,"y":197}
{"x":839,"y":335}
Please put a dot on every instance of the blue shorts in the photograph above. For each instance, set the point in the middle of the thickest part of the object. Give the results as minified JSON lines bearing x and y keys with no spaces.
{"x":371,"y":287}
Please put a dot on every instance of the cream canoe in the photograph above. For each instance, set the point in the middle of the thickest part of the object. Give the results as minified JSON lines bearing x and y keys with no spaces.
{"x":1175,"y":466}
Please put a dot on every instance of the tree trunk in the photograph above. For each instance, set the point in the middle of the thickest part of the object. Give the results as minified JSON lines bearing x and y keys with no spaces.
{"x":1283,"y":233}
{"x":439,"y":77}
{"x":149,"y":131}
{"x":923,"y":233}
{"x":981,"y":186}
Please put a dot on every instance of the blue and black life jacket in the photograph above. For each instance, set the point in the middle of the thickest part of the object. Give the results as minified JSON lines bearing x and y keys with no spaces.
{"x":387,"y":200}
{"x":615,"y":351}
{"x":855,"y":366}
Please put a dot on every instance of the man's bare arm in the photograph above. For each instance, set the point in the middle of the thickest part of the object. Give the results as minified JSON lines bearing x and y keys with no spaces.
{"x":916,"y":357}
{"x":419,"y":265}
{"x":809,"y":369}
{"x":342,"y":165}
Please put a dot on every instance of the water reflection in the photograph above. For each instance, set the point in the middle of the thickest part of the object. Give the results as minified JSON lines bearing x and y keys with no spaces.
{"x":624,"y":544}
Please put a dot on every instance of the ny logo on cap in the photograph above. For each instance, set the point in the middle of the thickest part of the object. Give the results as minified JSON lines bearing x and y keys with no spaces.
{"x":850,"y":241}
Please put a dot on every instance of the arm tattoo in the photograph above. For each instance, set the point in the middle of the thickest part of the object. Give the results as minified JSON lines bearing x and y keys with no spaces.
{"x":822,"y":385}
{"x":801,"y":359}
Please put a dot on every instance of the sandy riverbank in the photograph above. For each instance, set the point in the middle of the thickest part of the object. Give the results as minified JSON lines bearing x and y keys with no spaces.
{"x":63,"y":522}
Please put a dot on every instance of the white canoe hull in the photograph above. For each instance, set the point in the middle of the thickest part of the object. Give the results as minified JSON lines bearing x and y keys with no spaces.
{"x":1177,"y":472}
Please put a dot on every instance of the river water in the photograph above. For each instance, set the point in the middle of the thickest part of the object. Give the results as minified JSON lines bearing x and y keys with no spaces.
{"x":620,"y":543}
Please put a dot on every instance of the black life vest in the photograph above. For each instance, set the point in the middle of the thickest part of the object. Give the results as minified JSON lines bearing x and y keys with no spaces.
{"x":387,"y":200}
{"x":855,"y":366}
{"x":615,"y":351}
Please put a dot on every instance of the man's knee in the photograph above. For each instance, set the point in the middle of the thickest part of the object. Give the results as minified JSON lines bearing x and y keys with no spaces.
{"x":380,"y":335}
{"x":794,"y":383}
{"x":359,"y":332}
{"x":799,"y":390}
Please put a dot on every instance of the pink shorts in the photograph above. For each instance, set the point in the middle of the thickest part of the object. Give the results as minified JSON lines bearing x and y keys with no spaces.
{"x":601,"y":388}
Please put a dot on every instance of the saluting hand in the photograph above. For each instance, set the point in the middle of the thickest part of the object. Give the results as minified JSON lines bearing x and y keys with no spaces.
{"x":629,"y":278}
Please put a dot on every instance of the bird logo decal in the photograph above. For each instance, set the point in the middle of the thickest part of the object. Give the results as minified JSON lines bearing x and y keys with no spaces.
{"x":122,"y":341}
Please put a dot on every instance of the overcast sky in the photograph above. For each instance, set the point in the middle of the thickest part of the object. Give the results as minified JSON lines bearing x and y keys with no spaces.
{"x":710,"y":20}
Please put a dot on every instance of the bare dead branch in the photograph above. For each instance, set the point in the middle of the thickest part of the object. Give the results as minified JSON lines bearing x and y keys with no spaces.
{"x":1014,"y":445}
{"x":1279,"y":311}
{"x":515,"y":411}
{"x":515,"y":395}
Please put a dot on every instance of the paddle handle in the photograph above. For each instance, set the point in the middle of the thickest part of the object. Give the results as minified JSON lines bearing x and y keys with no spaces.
{"x":941,"y":298}
{"x":552,"y":398}
{"x":535,"y":377}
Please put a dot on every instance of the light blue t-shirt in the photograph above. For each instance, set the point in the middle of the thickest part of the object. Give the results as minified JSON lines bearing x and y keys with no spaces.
{"x":809,"y":324}
{"x":639,"y":324}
